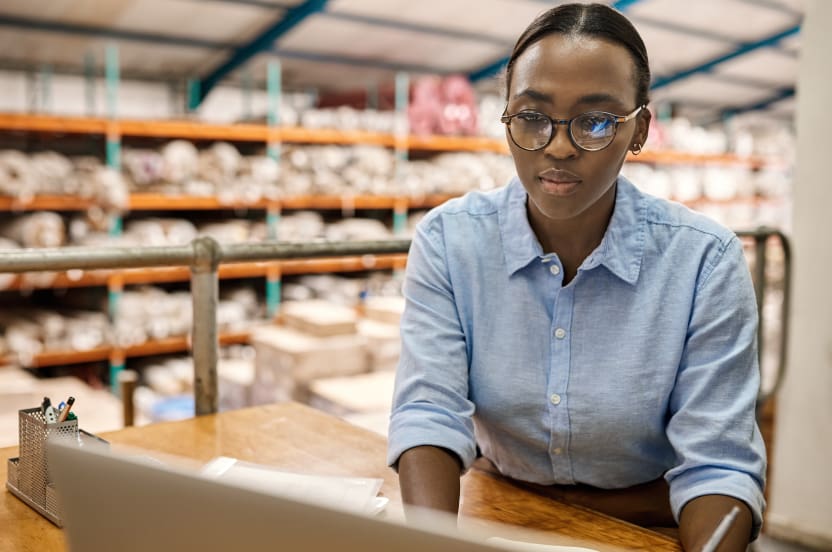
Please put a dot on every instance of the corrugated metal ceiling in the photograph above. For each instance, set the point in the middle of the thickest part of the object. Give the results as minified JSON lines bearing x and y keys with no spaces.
{"x":357,"y":43}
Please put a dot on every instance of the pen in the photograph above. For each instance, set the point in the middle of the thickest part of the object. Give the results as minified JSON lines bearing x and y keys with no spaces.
{"x":721,"y":530}
{"x":65,"y":410}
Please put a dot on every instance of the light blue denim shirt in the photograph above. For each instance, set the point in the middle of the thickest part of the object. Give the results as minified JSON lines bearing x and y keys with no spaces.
{"x":643,"y":366}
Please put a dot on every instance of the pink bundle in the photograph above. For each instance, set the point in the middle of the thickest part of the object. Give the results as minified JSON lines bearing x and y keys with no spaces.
{"x":443,"y":106}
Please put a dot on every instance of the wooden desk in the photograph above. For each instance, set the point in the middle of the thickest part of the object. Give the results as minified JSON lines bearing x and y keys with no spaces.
{"x":297,"y":438}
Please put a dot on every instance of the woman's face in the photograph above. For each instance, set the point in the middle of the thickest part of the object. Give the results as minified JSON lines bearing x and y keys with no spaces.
{"x":562,"y":76}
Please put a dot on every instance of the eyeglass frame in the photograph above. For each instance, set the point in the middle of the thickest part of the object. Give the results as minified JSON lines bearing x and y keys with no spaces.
{"x":505,"y":118}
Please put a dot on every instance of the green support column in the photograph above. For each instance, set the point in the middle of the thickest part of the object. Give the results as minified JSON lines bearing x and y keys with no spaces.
{"x":194,"y":90}
{"x":402,"y":131}
{"x":274,"y":90}
{"x":273,"y":291}
{"x":273,"y":223}
{"x":112,"y":75}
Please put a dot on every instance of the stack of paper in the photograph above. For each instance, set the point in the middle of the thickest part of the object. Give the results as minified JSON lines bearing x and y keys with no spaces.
{"x":354,"y":494}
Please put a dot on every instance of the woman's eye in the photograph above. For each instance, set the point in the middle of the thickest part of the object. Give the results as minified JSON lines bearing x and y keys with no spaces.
{"x":530,"y":117}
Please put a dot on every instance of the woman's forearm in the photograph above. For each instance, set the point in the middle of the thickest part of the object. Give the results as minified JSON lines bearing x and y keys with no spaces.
{"x":429,"y":478}
{"x":701,"y":516}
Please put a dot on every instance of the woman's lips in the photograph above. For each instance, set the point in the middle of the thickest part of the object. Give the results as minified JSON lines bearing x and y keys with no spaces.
{"x":559,"y":182}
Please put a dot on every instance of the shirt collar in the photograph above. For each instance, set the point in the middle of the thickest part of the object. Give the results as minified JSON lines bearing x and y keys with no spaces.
{"x":621,"y":248}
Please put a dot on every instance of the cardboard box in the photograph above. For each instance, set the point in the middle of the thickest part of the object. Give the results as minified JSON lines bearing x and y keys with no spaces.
{"x":385,"y":309}
{"x":319,"y":318}
{"x":287,"y":360}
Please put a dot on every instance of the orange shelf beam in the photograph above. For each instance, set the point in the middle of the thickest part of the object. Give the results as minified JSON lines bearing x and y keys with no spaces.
{"x":230,"y":271}
{"x":457,"y":143}
{"x":328,"y":136}
{"x":344,"y":264}
{"x":192,"y":130}
{"x":176,"y":344}
{"x":162,"y":202}
{"x":46,"y":203}
{"x":664,"y":157}
{"x":50,"y":123}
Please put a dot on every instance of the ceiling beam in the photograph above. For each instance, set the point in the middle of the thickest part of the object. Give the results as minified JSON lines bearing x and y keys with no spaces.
{"x":262,"y":43}
{"x":94,"y":31}
{"x":256,"y":3}
{"x":781,"y":94}
{"x":356,"y":61}
{"x":742,"y":49}
{"x":418,"y":28}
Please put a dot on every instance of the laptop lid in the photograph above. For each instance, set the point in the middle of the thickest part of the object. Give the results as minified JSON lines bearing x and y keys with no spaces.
{"x":112,"y":501}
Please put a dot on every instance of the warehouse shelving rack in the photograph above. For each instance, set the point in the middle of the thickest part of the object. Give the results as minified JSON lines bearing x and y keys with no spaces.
{"x":203,"y":257}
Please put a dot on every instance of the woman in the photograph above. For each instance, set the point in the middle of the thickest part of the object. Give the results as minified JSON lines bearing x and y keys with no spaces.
{"x":590,"y":340}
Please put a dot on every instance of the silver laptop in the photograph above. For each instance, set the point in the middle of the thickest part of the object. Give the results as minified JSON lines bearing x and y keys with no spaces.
{"x":112,"y":501}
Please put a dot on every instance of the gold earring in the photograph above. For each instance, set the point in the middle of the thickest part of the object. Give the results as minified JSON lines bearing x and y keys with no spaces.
{"x":636,"y":149}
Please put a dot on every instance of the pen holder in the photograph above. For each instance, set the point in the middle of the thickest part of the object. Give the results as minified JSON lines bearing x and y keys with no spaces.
{"x":28,"y":474}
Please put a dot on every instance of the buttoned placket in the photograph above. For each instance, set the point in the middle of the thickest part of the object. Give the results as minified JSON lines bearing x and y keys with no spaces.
{"x":559,"y":372}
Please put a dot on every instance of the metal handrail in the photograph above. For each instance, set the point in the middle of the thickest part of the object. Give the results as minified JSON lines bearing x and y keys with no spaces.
{"x":203,"y":255}
{"x":761,"y":236}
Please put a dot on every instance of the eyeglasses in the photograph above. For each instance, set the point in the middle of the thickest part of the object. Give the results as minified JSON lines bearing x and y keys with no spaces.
{"x":591,"y":131}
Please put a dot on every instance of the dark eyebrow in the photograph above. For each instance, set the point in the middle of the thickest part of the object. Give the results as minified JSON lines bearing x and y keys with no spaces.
{"x":596,"y":98}
{"x":535,"y":95}
{"x":600,"y":97}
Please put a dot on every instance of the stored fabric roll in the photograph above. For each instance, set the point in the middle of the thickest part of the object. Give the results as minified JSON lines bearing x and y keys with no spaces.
{"x":43,"y":229}
{"x":16,"y":175}
{"x":181,"y":160}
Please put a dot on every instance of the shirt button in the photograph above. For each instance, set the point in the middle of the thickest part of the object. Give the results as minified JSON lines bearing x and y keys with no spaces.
{"x":554,"y":269}
{"x":555,"y":398}
{"x":560,"y":333}
{"x":558,"y":451}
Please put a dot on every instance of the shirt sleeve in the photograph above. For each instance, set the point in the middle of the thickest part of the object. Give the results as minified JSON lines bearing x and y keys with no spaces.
{"x":430,"y":400}
{"x":712,"y":424}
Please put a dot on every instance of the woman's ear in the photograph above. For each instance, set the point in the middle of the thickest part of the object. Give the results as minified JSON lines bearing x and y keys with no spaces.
{"x":643,"y":127}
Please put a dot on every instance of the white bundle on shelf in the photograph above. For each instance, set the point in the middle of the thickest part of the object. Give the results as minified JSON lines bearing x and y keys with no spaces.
{"x":41,"y":229}
{"x":357,"y":229}
{"x":16,"y":175}
{"x":218,"y":164}
{"x":238,"y":309}
{"x":181,"y":160}
{"x":457,"y":173}
{"x":50,"y":172}
{"x":151,"y":313}
{"x":160,"y":231}
{"x":338,"y":170}
{"x":143,"y":167}
{"x":332,"y":288}
{"x":301,"y":226}
{"x":29,"y":332}
{"x":22,"y":335}
{"x":229,"y":231}
{"x":260,"y":173}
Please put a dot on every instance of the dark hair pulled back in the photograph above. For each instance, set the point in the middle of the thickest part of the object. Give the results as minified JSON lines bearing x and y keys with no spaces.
{"x":593,"y":20}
